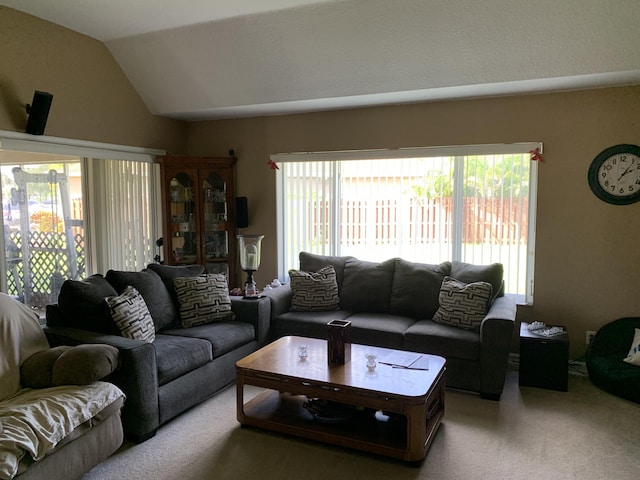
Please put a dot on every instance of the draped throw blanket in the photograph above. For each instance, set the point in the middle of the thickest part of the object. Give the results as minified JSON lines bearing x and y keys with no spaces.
{"x":33,"y":421}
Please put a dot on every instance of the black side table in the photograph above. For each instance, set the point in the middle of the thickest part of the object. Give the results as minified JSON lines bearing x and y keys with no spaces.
{"x":544,"y":361}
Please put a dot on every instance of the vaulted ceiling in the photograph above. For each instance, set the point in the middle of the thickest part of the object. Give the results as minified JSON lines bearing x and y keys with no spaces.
{"x":208,"y":59}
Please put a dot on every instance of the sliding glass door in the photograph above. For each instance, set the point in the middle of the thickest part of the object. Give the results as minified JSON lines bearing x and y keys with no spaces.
{"x":43,"y":225}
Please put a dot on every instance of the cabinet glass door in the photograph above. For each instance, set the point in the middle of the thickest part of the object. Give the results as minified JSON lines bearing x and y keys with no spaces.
{"x":216,"y":238}
{"x":182,"y":221}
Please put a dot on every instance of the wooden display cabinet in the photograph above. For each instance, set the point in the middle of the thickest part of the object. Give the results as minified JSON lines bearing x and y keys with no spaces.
{"x":198,"y":203}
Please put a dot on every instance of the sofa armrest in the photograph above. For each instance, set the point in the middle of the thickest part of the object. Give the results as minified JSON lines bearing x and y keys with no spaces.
{"x":280,"y":299}
{"x":255,"y":311}
{"x":496,"y":334}
{"x":137,"y":375}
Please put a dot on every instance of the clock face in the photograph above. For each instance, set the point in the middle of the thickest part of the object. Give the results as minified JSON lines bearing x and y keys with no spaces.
{"x":614,"y":175}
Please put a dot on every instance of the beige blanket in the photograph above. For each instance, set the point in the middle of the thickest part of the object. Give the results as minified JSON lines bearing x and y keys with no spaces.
{"x":34,"y":421}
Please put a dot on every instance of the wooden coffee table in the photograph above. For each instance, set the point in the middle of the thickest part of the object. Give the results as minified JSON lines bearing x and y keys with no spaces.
{"x":392,"y":411}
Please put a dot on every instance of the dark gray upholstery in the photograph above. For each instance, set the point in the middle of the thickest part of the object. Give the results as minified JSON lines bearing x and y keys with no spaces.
{"x":175,"y":358}
{"x":182,"y":367}
{"x":83,"y":306}
{"x":391,"y":304}
{"x":366,"y":285}
{"x":310,"y":262}
{"x":415,"y":288}
{"x":158,"y":299}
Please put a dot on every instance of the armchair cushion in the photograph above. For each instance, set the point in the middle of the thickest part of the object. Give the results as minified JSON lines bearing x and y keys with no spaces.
{"x":66,"y":365}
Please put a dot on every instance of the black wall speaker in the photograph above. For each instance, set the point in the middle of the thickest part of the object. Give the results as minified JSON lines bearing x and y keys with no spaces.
{"x":242,"y":212}
{"x":38,"y":112}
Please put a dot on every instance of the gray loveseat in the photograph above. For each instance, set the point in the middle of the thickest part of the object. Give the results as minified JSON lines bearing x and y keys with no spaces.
{"x":393,"y":304}
{"x":181,"y":367}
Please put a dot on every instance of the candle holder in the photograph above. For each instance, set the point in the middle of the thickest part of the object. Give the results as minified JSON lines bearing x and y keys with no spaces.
{"x":250,"y":247}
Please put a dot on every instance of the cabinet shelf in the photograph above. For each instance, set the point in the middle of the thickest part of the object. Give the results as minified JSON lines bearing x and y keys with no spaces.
{"x":199,"y":212}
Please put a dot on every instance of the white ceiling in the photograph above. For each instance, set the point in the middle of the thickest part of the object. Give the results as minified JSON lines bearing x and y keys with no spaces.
{"x":207,"y":59}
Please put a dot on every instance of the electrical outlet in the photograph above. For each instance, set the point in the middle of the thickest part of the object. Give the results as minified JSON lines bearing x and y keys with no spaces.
{"x":589,"y":337}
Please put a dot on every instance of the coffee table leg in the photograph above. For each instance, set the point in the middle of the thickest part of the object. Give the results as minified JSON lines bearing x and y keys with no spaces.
{"x":423,"y":421}
{"x":240,"y":398}
{"x":416,"y":432}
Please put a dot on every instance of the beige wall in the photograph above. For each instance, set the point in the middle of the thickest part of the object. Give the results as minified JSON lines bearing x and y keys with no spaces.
{"x":92,"y":98}
{"x":587,"y":254}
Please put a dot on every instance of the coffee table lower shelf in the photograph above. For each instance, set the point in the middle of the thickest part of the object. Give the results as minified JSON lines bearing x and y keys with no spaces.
{"x":366,"y":430}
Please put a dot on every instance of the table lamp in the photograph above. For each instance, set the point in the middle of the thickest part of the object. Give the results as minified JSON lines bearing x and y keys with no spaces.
{"x":250,"y":246}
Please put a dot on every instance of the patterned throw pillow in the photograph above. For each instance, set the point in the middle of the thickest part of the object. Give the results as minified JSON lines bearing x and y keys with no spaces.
{"x":204,"y":299}
{"x":634,"y":353}
{"x":131,"y":315}
{"x":463,"y":305}
{"x":314,"y":291}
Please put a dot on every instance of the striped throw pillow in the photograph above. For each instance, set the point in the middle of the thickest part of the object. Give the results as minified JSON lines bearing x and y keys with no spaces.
{"x":131,"y":315}
{"x":204,"y":299}
{"x":314,"y":291}
{"x":463,"y":305}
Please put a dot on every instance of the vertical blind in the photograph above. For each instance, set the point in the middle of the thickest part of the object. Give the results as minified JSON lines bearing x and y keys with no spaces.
{"x":471,"y":204}
{"x":122,"y":218}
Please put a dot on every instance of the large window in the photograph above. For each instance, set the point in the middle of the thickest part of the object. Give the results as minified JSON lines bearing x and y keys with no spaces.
{"x":475,"y":204}
{"x":67,"y":216}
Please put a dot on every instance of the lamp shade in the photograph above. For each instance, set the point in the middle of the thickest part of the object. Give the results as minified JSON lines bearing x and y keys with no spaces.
{"x":250,"y":247}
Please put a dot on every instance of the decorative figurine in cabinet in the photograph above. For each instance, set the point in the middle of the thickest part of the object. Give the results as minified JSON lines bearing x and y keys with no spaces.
{"x":198,"y":210}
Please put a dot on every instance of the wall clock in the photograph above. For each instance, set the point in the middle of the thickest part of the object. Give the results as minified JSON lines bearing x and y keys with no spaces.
{"x":614,"y":175}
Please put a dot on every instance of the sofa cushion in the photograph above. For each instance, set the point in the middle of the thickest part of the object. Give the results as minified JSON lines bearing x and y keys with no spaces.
{"x":367,"y":285}
{"x":427,"y":336}
{"x":168,"y":272}
{"x":310,"y":262}
{"x":203,"y":299}
{"x":463,"y":305}
{"x":131,"y":315}
{"x":314,"y":291}
{"x":150,"y":286}
{"x":82,"y":304}
{"x":176,"y":356}
{"x":379,"y":329}
{"x":416,"y":288}
{"x":469,"y":273}
{"x":224,"y":336}
{"x":306,"y":324}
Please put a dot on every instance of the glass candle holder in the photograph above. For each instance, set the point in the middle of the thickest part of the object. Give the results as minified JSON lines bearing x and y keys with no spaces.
{"x":371,"y":361}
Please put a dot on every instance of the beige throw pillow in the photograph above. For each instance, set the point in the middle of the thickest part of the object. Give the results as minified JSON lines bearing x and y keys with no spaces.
{"x":131,"y":315}
{"x":314,"y":291}
{"x":463,"y":305}
{"x":204,"y":299}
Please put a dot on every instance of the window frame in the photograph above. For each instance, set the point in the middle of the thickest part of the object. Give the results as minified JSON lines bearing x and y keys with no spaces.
{"x":458,"y":152}
{"x":96,"y":151}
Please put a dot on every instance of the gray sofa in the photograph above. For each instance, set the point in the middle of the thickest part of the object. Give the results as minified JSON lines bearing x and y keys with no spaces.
{"x":393,"y":304}
{"x":182,"y":366}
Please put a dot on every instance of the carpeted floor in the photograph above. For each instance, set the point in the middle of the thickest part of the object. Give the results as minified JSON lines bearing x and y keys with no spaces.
{"x":530,"y":434}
